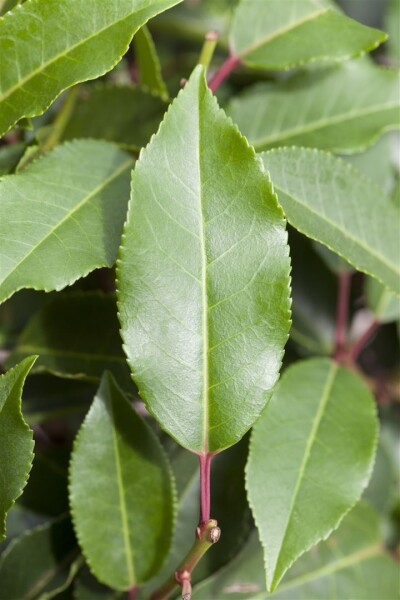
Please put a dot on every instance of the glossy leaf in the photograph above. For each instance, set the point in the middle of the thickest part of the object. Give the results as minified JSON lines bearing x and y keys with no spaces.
{"x":148,"y":65}
{"x":81,"y":344}
{"x":122,"y":114}
{"x":203,"y":276}
{"x":311,"y":456}
{"x":329,"y":201}
{"x":281,"y":35}
{"x":48,"y":61}
{"x":62,"y":216}
{"x":351,"y":562}
{"x":382,"y":302}
{"x":120,"y":492}
{"x":16,"y":439}
{"x":37,"y":565}
{"x":343,"y":108}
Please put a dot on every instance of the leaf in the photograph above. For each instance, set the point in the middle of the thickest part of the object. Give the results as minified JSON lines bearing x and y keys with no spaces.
{"x":48,"y":398}
{"x":86,"y":587}
{"x":42,"y":559}
{"x":9,"y":157}
{"x":332,"y":203}
{"x":16,"y":439}
{"x":120,"y":491}
{"x":62,"y":216}
{"x":39,"y":61}
{"x":148,"y":64}
{"x":82,"y":344}
{"x":280,"y":35}
{"x":311,"y":456}
{"x":117,"y":113}
{"x":351,"y":564}
{"x":203,"y":276}
{"x":343,"y":108}
{"x":382,"y":302}
{"x":392,"y":27}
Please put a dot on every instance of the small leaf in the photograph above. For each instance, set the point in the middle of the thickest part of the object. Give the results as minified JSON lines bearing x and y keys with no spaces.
{"x":16,"y":439}
{"x":39,"y":563}
{"x":203,"y":275}
{"x":281,"y":35}
{"x":311,"y":456}
{"x":39,"y":61}
{"x":342,"y":109}
{"x":331,"y":202}
{"x":382,"y":302}
{"x":148,"y":64}
{"x":121,"y":492}
{"x":122,"y":114}
{"x":62,"y":216}
{"x":351,"y":562}
{"x":81,"y":344}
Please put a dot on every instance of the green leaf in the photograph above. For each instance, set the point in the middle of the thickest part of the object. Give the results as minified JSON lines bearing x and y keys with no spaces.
{"x":121,"y":492}
{"x":311,"y":456}
{"x":343,"y":108}
{"x":62,"y":216}
{"x":332,"y":203}
{"x":39,"y":60}
{"x":39,"y":563}
{"x":122,"y":114}
{"x":148,"y":65}
{"x":16,"y":439}
{"x":86,"y":587}
{"x":9,"y":157}
{"x":81,"y":344}
{"x":203,"y":276}
{"x":392,"y":20}
{"x":382,"y":302}
{"x":351,"y":564}
{"x":281,"y":35}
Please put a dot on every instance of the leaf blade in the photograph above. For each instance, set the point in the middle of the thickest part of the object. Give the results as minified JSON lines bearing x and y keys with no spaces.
{"x":138,"y":492}
{"x":32,"y":80}
{"x":194,"y":247}
{"x":74,"y":233}
{"x":16,"y":446}
{"x":271,"y":35}
{"x":331,"y":202}
{"x":326,"y":468}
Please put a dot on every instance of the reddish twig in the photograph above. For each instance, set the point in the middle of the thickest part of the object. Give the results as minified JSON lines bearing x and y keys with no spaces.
{"x":223,"y":72}
{"x":342,"y":314}
{"x":362,"y":341}
{"x":132,"y":593}
{"x":205,"y":501}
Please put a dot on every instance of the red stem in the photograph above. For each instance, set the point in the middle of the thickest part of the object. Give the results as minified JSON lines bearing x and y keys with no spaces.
{"x":205,"y":469}
{"x":132,"y":593}
{"x":358,"y":346}
{"x":342,"y":313}
{"x":223,"y":72}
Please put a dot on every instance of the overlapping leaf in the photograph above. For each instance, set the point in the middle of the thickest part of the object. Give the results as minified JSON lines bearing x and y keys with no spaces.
{"x":350,"y":562}
{"x":62,"y":216}
{"x":148,"y":64}
{"x":54,"y":53}
{"x":311,"y":456}
{"x":75,"y":335}
{"x":203,"y":276}
{"x":382,"y":302}
{"x":343,"y":108}
{"x":122,"y":114}
{"x":280,"y":35}
{"x":40,"y":563}
{"x":16,"y":443}
{"x":331,"y":202}
{"x":121,"y":492}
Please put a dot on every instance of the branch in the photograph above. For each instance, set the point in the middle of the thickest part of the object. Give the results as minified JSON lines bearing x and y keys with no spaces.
{"x":223,"y":72}
{"x":362,"y":341}
{"x":342,"y":314}
{"x":207,"y":534}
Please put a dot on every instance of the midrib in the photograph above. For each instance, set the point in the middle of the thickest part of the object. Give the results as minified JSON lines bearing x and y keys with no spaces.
{"x":393,"y":267}
{"x":269,"y":38}
{"x":204,"y":296}
{"x":309,"y":445}
{"x":339,"y":119}
{"x":68,"y":216}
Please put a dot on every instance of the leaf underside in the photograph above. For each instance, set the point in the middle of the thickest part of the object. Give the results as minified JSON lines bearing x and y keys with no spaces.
{"x":203,"y":276}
